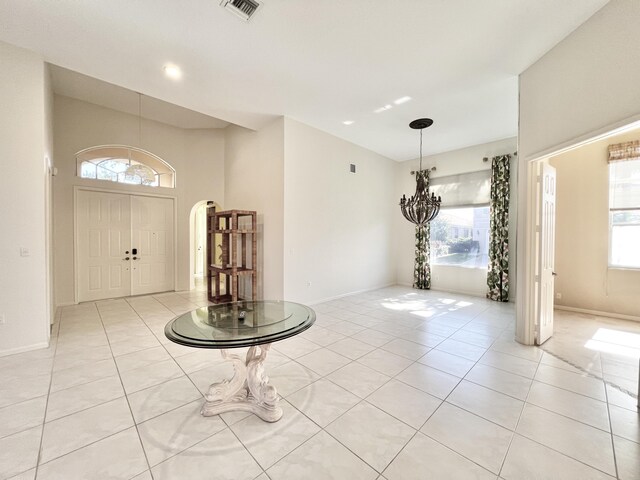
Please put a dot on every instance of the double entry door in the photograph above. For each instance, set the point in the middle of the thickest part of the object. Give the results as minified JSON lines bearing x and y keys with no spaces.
{"x":125,"y":245}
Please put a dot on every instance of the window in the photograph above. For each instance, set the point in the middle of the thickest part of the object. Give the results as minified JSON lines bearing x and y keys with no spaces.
{"x":122,"y":164}
{"x":460,"y":233}
{"x":624,"y":205}
{"x":460,"y":236}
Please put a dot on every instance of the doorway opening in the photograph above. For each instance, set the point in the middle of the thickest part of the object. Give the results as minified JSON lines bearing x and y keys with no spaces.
{"x":586,"y":280}
{"x":198,"y":244}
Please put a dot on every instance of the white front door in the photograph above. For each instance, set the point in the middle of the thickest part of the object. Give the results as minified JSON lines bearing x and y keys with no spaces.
{"x":104,"y":237}
{"x":151,"y":244}
{"x":546,"y":252}
{"x":109,"y":227}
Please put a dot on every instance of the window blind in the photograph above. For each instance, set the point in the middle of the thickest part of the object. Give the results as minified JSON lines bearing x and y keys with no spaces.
{"x":463,"y":190}
{"x":624,"y":185}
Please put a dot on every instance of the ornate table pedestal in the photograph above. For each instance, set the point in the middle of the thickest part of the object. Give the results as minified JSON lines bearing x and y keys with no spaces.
{"x":248,"y":390}
{"x":254,"y":324}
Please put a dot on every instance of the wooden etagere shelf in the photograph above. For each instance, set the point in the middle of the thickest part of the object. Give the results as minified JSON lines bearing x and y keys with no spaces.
{"x":231,"y":255}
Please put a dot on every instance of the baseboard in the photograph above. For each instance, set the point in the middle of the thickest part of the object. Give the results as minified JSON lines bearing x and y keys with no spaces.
{"x":457,"y":292}
{"x":598,"y":313}
{"x":65,"y":304}
{"x":336,"y":297}
{"x":28,"y":348}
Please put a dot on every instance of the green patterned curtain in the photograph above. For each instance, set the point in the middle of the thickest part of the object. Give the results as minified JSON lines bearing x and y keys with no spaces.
{"x":498,"y":268}
{"x":421,"y":266}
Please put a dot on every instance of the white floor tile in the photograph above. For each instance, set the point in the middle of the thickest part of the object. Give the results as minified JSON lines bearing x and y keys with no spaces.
{"x":529,"y":460}
{"x":21,"y":389}
{"x":85,"y":373}
{"x":385,"y":362}
{"x":150,"y":375}
{"x":582,"y":384}
{"x":154,"y":401}
{"x":321,"y":458}
{"x":295,"y":347}
{"x":574,"y":439}
{"x":119,"y":456}
{"x":430,"y":380}
{"x":323,"y":401}
{"x":19,"y":452}
{"x":351,"y":348}
{"x":269,"y":442}
{"x":22,"y":416}
{"x":323,"y":361}
{"x":583,"y":409}
{"x":500,"y":380}
{"x":175,"y":431}
{"x":627,"y":458}
{"x":447,"y":362}
{"x":486,"y":403}
{"x":70,"y":433}
{"x":71,"y":400}
{"x":625,"y":423}
{"x":475,"y":438}
{"x":509,"y":363}
{"x":405,"y":403}
{"x":358,"y":379}
{"x":405,"y":348}
{"x":359,"y":430}
{"x":424,"y":458}
{"x":290,"y":377}
{"x":462,"y":349}
{"x":221,"y":453}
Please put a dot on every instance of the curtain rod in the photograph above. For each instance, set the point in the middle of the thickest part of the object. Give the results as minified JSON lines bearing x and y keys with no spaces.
{"x":486,"y":159}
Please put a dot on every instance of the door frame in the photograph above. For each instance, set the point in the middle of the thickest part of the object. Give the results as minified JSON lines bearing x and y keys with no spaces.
{"x":526,"y":250}
{"x":77,"y":188}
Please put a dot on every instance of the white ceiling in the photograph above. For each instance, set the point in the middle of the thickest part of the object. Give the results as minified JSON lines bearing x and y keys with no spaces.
{"x":320,"y":62}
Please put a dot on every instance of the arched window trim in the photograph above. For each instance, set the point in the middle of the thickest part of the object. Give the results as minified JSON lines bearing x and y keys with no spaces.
{"x":166,"y":174}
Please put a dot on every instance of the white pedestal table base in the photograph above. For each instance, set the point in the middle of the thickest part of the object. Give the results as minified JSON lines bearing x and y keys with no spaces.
{"x":248,"y":390}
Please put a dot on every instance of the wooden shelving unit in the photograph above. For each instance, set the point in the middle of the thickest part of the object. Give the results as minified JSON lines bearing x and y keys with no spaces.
{"x":231,"y":255}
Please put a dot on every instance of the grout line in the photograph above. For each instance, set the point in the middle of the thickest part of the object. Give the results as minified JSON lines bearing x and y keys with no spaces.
{"x":515,"y":428}
{"x":127,"y":398}
{"x":46,"y":405}
{"x":613,"y":444}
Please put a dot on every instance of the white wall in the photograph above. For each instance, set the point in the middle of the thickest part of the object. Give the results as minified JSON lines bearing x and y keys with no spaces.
{"x":338,"y":228}
{"x":25,"y":131}
{"x":471,"y":281}
{"x":254,"y":165}
{"x":196,"y":155}
{"x":582,"y":234}
{"x":585,"y":85}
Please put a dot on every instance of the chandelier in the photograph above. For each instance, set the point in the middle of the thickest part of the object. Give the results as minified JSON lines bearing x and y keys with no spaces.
{"x":420,"y":208}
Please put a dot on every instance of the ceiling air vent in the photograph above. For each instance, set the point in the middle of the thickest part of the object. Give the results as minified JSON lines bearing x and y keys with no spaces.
{"x":243,"y":8}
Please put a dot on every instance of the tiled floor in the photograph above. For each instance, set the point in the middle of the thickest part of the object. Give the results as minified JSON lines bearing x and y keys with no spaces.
{"x":391,"y":384}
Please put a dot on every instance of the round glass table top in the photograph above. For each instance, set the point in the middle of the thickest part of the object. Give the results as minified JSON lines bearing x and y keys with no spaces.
{"x":240,"y":324}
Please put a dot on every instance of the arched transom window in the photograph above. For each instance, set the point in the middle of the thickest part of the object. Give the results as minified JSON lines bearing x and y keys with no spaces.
{"x":122,"y":164}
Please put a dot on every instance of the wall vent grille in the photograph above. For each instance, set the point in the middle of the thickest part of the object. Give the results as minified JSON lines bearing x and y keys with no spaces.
{"x":243,"y":8}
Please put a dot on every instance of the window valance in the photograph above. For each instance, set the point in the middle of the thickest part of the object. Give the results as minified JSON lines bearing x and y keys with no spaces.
{"x":624,"y":151}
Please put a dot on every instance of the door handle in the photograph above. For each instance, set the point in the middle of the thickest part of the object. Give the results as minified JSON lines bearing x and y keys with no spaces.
{"x":135,"y":258}
{"x":552,"y":273}
{"x":126,"y":258}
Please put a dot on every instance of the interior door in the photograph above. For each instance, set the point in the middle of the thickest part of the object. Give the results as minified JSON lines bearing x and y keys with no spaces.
{"x":546,"y":252}
{"x":152,"y":245}
{"x":104,"y":237}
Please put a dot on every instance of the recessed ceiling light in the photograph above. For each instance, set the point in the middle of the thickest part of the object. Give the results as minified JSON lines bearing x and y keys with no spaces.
{"x":348,"y":122}
{"x":401,"y":100}
{"x":172,"y":71}
{"x":382,"y":109}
